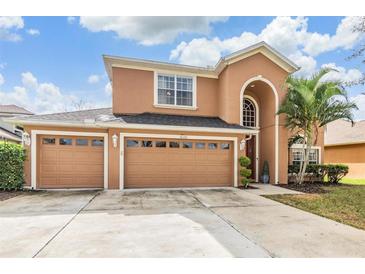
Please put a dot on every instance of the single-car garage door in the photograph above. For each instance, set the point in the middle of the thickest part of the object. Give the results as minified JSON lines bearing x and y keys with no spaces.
{"x":70,"y":162}
{"x":153,"y":162}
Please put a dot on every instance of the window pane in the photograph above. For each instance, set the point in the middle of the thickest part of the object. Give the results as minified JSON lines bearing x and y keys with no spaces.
{"x":132,"y":143}
{"x":212,"y":145}
{"x":200,"y":145}
{"x":184,"y":91}
{"x":97,"y":142}
{"x":48,"y":141}
{"x":166,"y":89}
{"x":160,"y":144}
{"x":146,"y":143}
{"x":65,"y":141}
{"x":224,"y":146}
{"x":82,"y":142}
{"x":174,"y":144}
{"x":187,"y":144}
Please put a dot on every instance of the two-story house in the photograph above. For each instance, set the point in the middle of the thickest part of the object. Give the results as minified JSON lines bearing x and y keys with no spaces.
{"x":170,"y":125}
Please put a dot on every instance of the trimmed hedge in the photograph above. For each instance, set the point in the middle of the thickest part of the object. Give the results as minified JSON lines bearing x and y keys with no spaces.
{"x":317,"y":173}
{"x":12,"y":158}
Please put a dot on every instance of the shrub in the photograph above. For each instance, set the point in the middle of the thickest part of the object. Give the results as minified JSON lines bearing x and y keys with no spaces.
{"x":12,"y":158}
{"x":336,"y":172}
{"x":245,"y":172}
{"x":317,"y":172}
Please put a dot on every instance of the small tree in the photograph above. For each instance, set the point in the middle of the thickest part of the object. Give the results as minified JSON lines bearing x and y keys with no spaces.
{"x":311,"y":104}
{"x":245,"y":172}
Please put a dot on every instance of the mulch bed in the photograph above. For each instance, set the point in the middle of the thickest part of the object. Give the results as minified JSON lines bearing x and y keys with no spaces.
{"x":5,"y":195}
{"x":310,"y":187}
{"x":249,"y":187}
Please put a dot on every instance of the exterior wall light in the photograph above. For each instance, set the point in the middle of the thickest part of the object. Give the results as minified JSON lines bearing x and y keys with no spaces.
{"x":115,"y":140}
{"x":242,"y":144}
{"x":26,"y":139}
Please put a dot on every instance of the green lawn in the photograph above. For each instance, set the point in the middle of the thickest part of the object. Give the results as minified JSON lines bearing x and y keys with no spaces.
{"x":345,"y":204}
{"x":349,"y":181}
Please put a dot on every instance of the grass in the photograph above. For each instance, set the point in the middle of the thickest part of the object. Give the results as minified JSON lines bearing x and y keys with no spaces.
{"x":344,"y":204}
{"x":349,"y":181}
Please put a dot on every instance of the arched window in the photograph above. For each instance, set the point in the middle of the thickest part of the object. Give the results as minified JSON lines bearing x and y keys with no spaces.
{"x":249,"y":113}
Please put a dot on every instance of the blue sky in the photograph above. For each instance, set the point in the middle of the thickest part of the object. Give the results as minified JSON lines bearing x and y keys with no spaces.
{"x":47,"y":64}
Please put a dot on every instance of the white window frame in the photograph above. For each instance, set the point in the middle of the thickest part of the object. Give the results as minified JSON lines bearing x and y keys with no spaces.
{"x":174,"y":106}
{"x":300,"y":147}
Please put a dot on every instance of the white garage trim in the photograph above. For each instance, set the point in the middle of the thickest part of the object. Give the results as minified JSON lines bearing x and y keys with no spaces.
{"x":183,"y":137}
{"x":33,"y":152}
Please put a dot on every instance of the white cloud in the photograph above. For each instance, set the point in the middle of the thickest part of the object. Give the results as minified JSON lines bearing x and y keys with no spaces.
{"x":108,"y":89}
{"x":341,"y":74}
{"x":290,"y":36}
{"x":33,"y":32}
{"x":8,"y":27}
{"x":2,"y":65}
{"x":344,"y":38}
{"x":360,"y":102}
{"x":29,"y":80}
{"x":71,"y":19}
{"x":38,"y":97}
{"x":2,"y":79}
{"x":93,"y":79}
{"x":149,"y":30}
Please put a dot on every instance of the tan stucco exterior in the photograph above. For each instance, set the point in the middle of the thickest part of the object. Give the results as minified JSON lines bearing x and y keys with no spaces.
{"x":352,"y":155}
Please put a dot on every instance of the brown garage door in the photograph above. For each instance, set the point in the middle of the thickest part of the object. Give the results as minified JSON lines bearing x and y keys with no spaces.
{"x":177,"y":163}
{"x":70,"y":162}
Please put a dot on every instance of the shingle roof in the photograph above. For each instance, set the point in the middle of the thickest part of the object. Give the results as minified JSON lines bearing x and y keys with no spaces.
{"x":341,"y":132}
{"x":106,"y":115}
{"x":14,"y":109}
{"x":176,"y":120}
{"x":99,"y":114}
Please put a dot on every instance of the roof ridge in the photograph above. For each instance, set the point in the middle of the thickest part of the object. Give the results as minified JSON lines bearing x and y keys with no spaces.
{"x":74,"y":111}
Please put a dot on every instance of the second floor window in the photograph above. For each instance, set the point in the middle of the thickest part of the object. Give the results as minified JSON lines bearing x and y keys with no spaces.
{"x":174,"y":90}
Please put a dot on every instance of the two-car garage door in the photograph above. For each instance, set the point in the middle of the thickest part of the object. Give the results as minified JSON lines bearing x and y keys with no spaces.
{"x":152,"y":162}
{"x":70,"y":162}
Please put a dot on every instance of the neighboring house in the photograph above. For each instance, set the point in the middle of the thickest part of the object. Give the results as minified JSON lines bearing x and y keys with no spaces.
{"x":345,"y":144}
{"x":170,"y":125}
{"x":8,"y":131}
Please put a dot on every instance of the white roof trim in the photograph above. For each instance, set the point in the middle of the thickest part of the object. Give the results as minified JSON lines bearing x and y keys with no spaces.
{"x":211,"y":72}
{"x":134,"y":126}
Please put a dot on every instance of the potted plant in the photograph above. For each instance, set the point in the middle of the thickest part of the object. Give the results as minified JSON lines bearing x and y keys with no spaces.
{"x":245,"y":172}
{"x":265,"y":176}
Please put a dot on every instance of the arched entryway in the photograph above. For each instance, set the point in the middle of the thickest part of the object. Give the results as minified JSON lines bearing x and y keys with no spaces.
{"x":259,"y":98}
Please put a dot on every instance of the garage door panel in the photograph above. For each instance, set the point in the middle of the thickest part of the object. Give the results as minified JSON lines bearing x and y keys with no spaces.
{"x":177,"y":167}
{"x":70,"y":166}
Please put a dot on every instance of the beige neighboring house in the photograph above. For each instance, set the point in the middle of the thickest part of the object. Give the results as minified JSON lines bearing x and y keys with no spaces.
{"x":170,"y":125}
{"x":345,"y":144}
{"x":10,"y":132}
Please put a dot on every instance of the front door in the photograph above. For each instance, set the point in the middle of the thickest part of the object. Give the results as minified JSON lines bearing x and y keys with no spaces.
{"x":250,"y":153}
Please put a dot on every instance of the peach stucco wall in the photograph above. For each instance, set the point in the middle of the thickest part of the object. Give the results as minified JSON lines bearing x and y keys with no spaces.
{"x":133,"y":92}
{"x":351,"y":155}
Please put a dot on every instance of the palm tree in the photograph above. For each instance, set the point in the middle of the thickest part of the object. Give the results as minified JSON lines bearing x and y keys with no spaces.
{"x":311,"y":104}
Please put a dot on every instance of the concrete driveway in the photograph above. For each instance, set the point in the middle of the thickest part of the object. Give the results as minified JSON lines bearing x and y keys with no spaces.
{"x":181,"y":223}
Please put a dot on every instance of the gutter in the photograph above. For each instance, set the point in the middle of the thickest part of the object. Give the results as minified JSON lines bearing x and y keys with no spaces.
{"x":105,"y":125}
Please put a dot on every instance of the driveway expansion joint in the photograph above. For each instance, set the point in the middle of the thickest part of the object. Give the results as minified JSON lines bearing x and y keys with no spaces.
{"x":64,"y":226}
{"x":227,"y":222}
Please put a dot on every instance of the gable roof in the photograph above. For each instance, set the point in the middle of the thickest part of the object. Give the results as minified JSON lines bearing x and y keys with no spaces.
{"x":341,"y":132}
{"x":14,"y":109}
{"x":104,"y":117}
{"x":212,"y":72}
